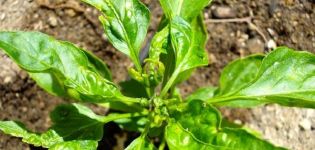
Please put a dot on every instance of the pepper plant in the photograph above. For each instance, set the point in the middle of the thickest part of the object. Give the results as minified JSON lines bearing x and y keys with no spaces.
{"x":150,"y":103}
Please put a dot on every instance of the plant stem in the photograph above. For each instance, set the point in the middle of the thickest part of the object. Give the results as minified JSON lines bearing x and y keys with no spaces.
{"x":113,"y":117}
{"x":137,"y":64}
{"x":225,"y":99}
{"x":162,"y":146}
{"x":148,"y":90}
{"x":169,"y":83}
{"x":130,"y":99}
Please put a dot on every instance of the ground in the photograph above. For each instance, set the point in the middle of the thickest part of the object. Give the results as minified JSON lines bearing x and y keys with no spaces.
{"x":283,"y":22}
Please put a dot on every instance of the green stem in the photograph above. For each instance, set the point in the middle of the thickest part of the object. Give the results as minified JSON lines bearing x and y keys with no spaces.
{"x":226,"y":99}
{"x":130,"y":99}
{"x":113,"y":117}
{"x":162,"y":146}
{"x":137,"y":63}
{"x":148,"y":90}
{"x":169,"y":83}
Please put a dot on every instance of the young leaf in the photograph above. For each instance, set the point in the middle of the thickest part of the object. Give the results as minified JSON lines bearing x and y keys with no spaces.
{"x":60,"y":67}
{"x":199,"y":42}
{"x":141,"y":144}
{"x":187,"y":9}
{"x":198,"y":126}
{"x":185,"y":43}
{"x":286,"y":77}
{"x":73,"y":126}
{"x":126,"y":23}
{"x":183,"y":9}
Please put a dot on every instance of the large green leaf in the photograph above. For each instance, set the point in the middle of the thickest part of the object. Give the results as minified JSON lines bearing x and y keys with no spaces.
{"x":74,"y":126}
{"x":187,"y":9}
{"x":141,"y":143}
{"x":60,"y":67}
{"x":285,"y":77}
{"x":197,"y":125}
{"x":204,"y":93}
{"x":187,"y":46}
{"x":125,"y":23}
{"x":237,"y":75}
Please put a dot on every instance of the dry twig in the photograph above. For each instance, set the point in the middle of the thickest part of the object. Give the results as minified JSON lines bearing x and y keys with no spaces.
{"x":248,"y":20}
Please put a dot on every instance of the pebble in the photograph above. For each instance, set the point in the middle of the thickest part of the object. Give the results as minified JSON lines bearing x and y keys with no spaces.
{"x":7,"y":80}
{"x":223,"y":12}
{"x":305,"y":124}
{"x":2,"y":16}
{"x":272,"y":32}
{"x":52,"y":20}
{"x":271,"y":44}
{"x":255,"y":45}
{"x":70,"y":12}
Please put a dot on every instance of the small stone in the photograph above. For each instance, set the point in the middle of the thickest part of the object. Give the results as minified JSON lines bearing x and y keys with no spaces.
{"x":223,"y":12}
{"x":305,"y":124}
{"x":213,"y":59}
{"x":7,"y":80}
{"x":255,"y":46}
{"x":239,"y":122}
{"x":52,"y":20}
{"x":2,"y":16}
{"x":70,"y":12}
{"x":272,"y":32}
{"x":271,"y":44}
{"x":24,"y":109}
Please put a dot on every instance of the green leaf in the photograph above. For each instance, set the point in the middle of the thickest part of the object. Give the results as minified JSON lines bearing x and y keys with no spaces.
{"x":73,"y":126}
{"x":75,"y":145}
{"x":199,"y":41}
{"x":237,"y":75}
{"x":136,"y":124}
{"x":98,"y":65}
{"x":132,"y":88}
{"x":179,"y":138}
{"x":159,"y":46}
{"x":285,"y":77}
{"x":60,"y":67}
{"x":141,"y":143}
{"x":17,"y":129}
{"x":189,"y":54}
{"x":202,"y":94}
{"x":77,"y":122}
{"x":197,"y":125}
{"x":126,"y":23}
{"x":227,"y":124}
{"x":187,"y":9}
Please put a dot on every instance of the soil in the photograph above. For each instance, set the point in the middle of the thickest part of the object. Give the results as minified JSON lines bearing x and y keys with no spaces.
{"x":285,"y":22}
